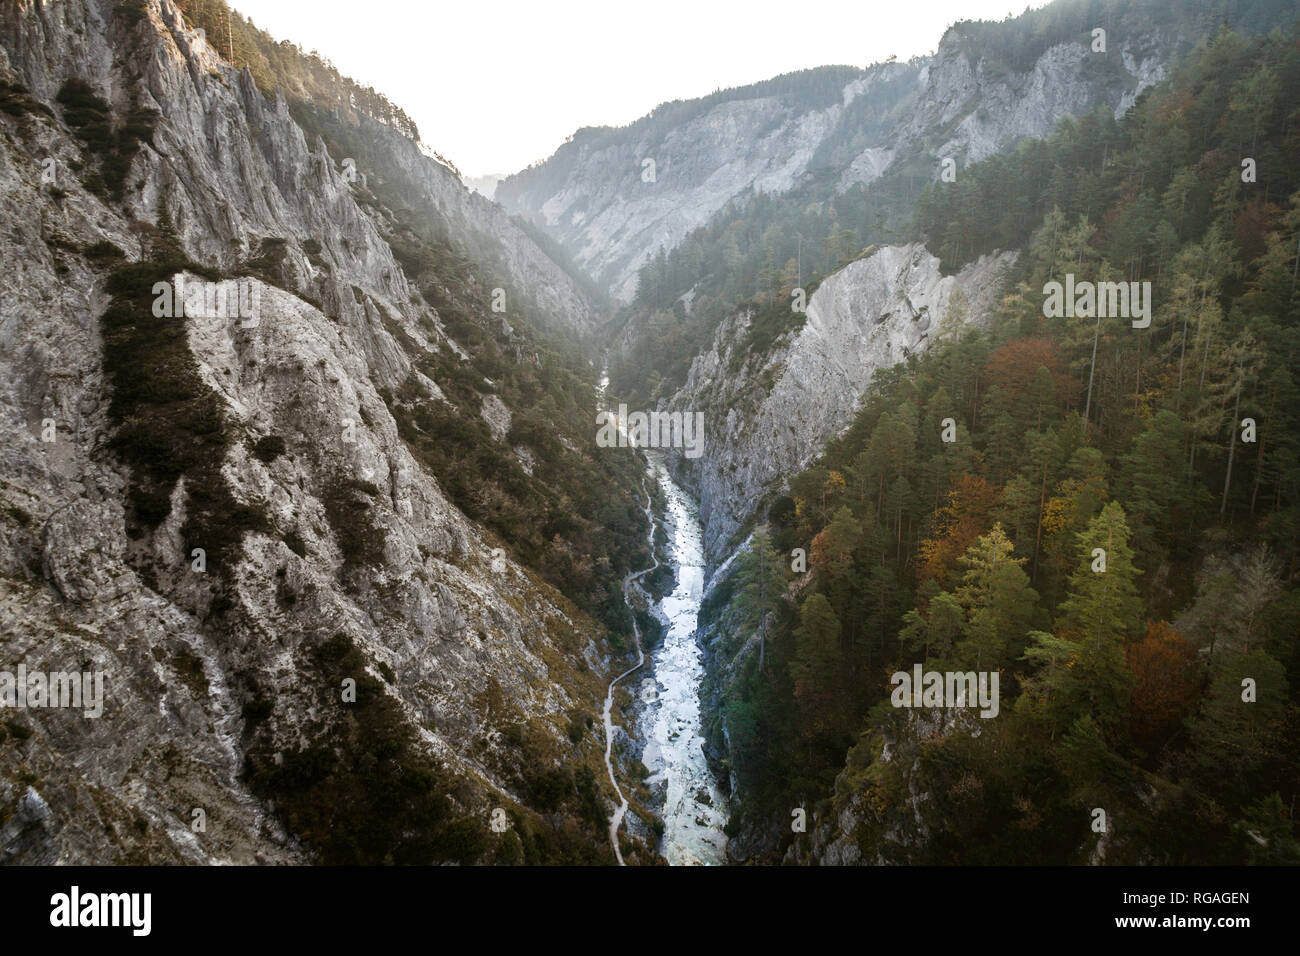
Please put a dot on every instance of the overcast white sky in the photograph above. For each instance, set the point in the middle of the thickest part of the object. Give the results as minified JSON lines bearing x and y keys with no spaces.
{"x":497,"y":85}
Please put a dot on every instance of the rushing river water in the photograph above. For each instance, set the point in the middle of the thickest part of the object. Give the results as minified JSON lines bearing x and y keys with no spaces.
{"x":694,"y":811}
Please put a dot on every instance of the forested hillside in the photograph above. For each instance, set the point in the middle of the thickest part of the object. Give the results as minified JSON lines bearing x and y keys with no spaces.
{"x":958,"y":522}
{"x":761,"y":246}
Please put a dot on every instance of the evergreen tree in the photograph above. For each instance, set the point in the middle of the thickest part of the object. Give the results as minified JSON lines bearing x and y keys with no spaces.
{"x":813,"y":665}
{"x":998,"y":599}
{"x":760,"y":587}
{"x":1103,"y":606}
{"x":1100,"y":613}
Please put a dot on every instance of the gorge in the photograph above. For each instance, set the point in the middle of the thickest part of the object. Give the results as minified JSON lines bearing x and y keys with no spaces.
{"x":586,"y":524}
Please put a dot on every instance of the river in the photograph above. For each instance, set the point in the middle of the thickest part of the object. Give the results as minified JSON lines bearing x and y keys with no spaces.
{"x":667,"y":710}
{"x":694,"y":811}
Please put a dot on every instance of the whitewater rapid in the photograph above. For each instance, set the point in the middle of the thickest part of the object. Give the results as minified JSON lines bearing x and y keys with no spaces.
{"x":694,"y":811}
{"x":668,"y":698}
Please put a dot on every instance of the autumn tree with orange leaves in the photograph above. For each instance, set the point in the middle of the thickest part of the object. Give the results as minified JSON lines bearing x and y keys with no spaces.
{"x":962,"y":519}
{"x":1164,"y":666}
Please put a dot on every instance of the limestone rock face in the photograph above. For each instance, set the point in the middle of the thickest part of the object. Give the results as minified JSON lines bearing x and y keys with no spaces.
{"x":766,"y":422}
{"x":454,"y":625}
{"x":613,"y":197}
{"x":989,"y":108}
{"x":489,"y":228}
{"x":853,"y":832}
{"x":594,"y":198}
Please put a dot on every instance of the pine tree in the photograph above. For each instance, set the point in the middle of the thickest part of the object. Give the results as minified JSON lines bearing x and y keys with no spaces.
{"x":998,"y":599}
{"x":1231,"y":737}
{"x":813,"y":665}
{"x":1103,"y":604}
{"x":760,"y":587}
{"x":1158,"y":488}
{"x":1101,"y":611}
{"x":831,"y":553}
{"x":934,"y":631}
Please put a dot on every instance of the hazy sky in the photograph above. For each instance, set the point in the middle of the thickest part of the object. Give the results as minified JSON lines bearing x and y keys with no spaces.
{"x":495,"y":86}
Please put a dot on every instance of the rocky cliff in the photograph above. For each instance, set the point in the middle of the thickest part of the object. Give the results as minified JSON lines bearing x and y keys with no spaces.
{"x":613,"y":197}
{"x":768,"y":421}
{"x":489,"y":232}
{"x":766,"y":417}
{"x":963,"y":103}
{"x":308,"y":650}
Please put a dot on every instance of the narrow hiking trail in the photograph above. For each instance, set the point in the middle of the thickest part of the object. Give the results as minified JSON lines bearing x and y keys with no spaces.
{"x":629,"y":582}
{"x":670,"y":714}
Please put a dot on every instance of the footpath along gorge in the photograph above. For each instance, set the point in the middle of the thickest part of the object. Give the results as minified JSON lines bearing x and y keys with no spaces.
{"x":665,"y":707}
{"x":368,"y":582}
{"x":666,"y":719}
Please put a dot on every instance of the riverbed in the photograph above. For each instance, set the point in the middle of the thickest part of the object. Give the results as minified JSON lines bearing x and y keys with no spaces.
{"x":694,"y":810}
